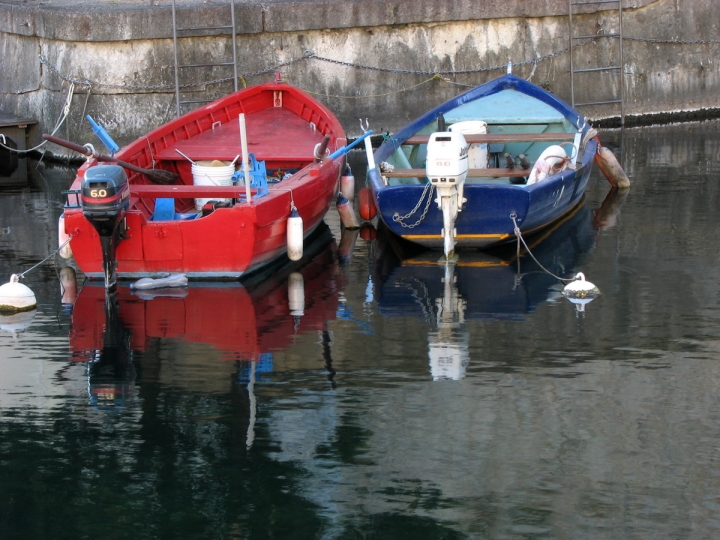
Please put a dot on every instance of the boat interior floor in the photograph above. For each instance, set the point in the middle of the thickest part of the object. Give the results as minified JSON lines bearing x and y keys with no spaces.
{"x":274,"y":134}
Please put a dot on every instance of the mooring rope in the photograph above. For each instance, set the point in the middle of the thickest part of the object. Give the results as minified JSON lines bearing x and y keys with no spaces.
{"x":65,"y":114}
{"x":521,"y":239}
{"x":21,"y":275}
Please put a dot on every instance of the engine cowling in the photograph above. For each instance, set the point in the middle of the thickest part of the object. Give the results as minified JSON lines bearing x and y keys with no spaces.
{"x":447,"y":158}
{"x":105,"y":198}
{"x":105,"y":192}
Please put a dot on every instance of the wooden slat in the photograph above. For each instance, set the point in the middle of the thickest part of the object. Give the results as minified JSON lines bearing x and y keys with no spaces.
{"x":501,"y":138}
{"x":494,"y":173}
{"x":184,"y":191}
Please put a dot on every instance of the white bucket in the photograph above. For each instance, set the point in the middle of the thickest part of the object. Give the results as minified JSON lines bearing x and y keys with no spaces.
{"x":204,"y":174}
{"x":478,"y":153}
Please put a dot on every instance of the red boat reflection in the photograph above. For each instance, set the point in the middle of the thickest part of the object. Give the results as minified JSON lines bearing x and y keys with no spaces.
{"x":242,"y":321}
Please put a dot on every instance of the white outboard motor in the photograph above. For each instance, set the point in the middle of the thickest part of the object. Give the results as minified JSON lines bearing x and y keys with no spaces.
{"x":447,"y":168}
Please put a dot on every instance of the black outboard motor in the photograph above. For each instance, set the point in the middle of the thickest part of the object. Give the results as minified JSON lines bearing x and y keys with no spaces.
{"x":105,"y":199}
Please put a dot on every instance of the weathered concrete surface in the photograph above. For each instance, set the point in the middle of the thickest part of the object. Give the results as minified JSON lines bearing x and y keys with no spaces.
{"x":120,"y":55}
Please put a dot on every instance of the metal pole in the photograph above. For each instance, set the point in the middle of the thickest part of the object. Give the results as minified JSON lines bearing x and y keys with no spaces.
{"x":177,"y":81}
{"x":572,"y":65}
{"x":234,"y":44}
{"x":622,"y":68}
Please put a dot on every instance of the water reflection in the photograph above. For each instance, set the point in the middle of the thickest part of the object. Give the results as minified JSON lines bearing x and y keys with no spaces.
{"x":503,"y":284}
{"x":561,"y":426}
{"x":242,"y":323}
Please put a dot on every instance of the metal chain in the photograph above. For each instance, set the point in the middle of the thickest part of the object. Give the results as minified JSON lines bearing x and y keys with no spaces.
{"x":44,"y":60}
{"x":675,"y":41}
{"x":310,"y":55}
{"x":397,"y":218}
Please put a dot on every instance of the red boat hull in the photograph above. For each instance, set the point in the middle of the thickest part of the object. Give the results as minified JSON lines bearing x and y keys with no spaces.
{"x":284,"y":125}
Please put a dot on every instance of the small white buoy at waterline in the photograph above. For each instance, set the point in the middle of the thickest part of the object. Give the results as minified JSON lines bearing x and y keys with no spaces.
{"x":294,"y":236}
{"x":14,"y":296}
{"x":347,"y":213}
{"x":579,"y":288}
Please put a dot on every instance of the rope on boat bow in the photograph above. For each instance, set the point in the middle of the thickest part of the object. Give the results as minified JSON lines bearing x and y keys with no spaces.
{"x":513,"y":216}
{"x":22,"y":274}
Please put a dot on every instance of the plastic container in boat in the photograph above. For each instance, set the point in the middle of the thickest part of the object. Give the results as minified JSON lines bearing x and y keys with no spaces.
{"x":478,"y":153}
{"x":212,"y":173}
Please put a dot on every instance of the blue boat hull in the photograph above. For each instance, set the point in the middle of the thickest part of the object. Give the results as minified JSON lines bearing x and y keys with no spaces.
{"x":410,"y":211}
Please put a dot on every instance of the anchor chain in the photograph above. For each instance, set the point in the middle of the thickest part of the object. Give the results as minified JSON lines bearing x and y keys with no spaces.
{"x":397,"y":218}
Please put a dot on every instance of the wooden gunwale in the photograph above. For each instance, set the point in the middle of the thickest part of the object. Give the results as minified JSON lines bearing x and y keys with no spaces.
{"x":499,"y":138}
{"x":493,"y":173}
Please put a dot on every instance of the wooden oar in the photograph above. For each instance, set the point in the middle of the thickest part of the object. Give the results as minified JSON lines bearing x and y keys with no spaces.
{"x":156,"y":176}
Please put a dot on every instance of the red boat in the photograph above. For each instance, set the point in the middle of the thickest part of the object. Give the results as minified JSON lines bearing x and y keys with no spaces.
{"x":141,"y":219}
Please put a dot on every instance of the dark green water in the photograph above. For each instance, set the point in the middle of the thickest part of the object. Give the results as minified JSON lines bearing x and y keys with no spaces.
{"x":392,"y":404}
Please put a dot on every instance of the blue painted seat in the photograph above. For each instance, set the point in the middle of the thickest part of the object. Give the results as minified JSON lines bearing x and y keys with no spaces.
{"x":165,"y":211}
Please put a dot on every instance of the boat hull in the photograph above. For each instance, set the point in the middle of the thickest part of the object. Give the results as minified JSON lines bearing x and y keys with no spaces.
{"x":486,"y":216}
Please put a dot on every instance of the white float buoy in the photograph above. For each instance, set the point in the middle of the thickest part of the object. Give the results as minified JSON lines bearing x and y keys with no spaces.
{"x":17,"y":322}
{"x":347,"y":213}
{"x":296,"y":294}
{"x":294,"y":235}
{"x":347,"y":184}
{"x":63,"y":245}
{"x":579,"y":288}
{"x":14,"y":296}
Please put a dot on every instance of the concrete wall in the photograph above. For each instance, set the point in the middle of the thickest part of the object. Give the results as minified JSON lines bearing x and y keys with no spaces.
{"x":120,"y":55}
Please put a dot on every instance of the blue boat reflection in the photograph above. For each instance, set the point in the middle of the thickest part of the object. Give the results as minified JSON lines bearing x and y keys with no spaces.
{"x":503,"y":284}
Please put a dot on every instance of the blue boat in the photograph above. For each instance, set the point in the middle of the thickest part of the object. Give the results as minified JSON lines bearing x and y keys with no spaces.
{"x":504,"y":157}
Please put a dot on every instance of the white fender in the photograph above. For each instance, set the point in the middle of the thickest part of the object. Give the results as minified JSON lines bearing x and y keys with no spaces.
{"x":347,"y":184}
{"x":552,"y":160}
{"x":295,"y":235}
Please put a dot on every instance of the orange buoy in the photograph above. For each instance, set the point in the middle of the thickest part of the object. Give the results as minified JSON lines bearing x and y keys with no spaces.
{"x":366,"y":204}
{"x":608,"y":164}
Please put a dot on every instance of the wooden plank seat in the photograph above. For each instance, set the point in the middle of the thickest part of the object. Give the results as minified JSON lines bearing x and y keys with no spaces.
{"x":494,"y":173}
{"x":182,"y":191}
{"x":500,"y":138}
